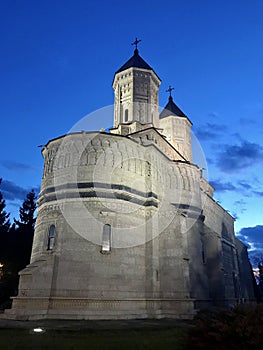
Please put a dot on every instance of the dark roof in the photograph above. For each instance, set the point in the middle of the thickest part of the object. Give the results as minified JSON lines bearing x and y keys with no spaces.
{"x":135,"y":61}
{"x":172,"y":109}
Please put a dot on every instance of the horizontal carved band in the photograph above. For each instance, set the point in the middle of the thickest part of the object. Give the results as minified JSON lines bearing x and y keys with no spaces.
{"x":83,"y":185}
{"x":98,"y":190}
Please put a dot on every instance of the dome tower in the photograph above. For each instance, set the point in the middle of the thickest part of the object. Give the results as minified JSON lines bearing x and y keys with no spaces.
{"x":136,"y":88}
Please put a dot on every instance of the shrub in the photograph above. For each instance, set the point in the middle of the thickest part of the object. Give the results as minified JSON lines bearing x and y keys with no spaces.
{"x":240,"y":328}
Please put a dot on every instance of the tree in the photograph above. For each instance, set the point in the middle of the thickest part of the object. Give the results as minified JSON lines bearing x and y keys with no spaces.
{"x":4,"y":216}
{"x":4,"y":227}
{"x":16,"y":247}
{"x":260,"y":277}
{"x":4,"y":247}
{"x":260,"y":282}
{"x":27,"y":211}
{"x":24,"y":232}
{"x":258,"y":261}
{"x":21,"y":234}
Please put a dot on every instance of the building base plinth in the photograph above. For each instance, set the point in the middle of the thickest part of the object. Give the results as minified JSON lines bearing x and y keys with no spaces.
{"x":94,"y":309}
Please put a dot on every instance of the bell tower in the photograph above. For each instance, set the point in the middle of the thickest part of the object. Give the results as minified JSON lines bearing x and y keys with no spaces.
{"x":176,"y":127}
{"x":136,"y":87}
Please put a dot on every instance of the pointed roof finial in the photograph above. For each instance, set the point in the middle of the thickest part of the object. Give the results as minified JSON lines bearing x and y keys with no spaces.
{"x":136,"y":42}
{"x":170,"y":89}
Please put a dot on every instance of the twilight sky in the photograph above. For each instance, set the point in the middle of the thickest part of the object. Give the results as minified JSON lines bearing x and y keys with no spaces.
{"x":58,"y":58}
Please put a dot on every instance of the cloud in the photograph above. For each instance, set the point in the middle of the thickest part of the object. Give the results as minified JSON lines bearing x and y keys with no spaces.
{"x":236,"y":157}
{"x":241,"y":205}
{"x":209,"y":131}
{"x":247,"y":121}
{"x":13,"y":192}
{"x":241,"y":187}
{"x":240,"y":202}
{"x":213,"y":115}
{"x":235,"y":216}
{"x":16,"y":166}
{"x":210,"y":161}
{"x":258,"y":193}
{"x":221,"y":186}
{"x":253,"y":238}
{"x":253,"y":115}
{"x":245,"y":185}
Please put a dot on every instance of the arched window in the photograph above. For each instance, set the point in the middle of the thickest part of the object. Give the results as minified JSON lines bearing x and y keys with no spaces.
{"x":126,"y":115}
{"x":51,"y":237}
{"x":106,"y":239}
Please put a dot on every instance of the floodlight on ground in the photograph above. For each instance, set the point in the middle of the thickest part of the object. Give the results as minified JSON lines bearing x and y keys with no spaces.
{"x":38,"y":330}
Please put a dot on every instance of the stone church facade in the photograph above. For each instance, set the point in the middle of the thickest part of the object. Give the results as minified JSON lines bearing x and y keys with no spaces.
{"x":127,"y":226}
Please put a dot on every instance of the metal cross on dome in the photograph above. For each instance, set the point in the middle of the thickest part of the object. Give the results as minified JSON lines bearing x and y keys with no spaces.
{"x":136,"y":42}
{"x":170,"y":89}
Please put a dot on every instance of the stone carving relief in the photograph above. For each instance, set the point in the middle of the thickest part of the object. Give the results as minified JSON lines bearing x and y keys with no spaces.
{"x":121,"y":154}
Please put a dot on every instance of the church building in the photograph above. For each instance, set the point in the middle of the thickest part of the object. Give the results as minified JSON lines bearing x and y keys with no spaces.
{"x":127,"y":226}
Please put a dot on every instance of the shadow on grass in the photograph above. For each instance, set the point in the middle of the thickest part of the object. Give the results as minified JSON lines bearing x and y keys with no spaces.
{"x":24,"y":339}
{"x":236,"y":329}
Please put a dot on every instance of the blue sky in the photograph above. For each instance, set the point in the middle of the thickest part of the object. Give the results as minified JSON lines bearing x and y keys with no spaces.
{"x":57,"y":62}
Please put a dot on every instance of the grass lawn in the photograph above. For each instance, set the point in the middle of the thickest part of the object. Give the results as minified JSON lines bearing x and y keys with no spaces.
{"x":126,"y":339}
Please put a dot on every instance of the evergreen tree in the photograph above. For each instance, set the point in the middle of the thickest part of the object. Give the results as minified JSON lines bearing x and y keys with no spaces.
{"x":260,"y":278}
{"x":27,"y":211}
{"x":24,"y":232}
{"x":4,"y":216}
{"x":4,"y":249}
{"x":258,"y":262}
{"x":4,"y":228}
{"x":16,"y":245}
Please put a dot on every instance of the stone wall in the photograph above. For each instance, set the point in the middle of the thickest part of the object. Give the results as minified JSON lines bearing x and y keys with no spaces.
{"x":171,"y":247}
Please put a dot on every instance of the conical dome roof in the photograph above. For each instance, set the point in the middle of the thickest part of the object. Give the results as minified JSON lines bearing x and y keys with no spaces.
{"x":135,"y":61}
{"x":172,"y":109}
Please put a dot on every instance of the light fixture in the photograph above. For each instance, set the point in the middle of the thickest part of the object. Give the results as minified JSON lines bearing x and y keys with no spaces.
{"x":38,"y":330}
